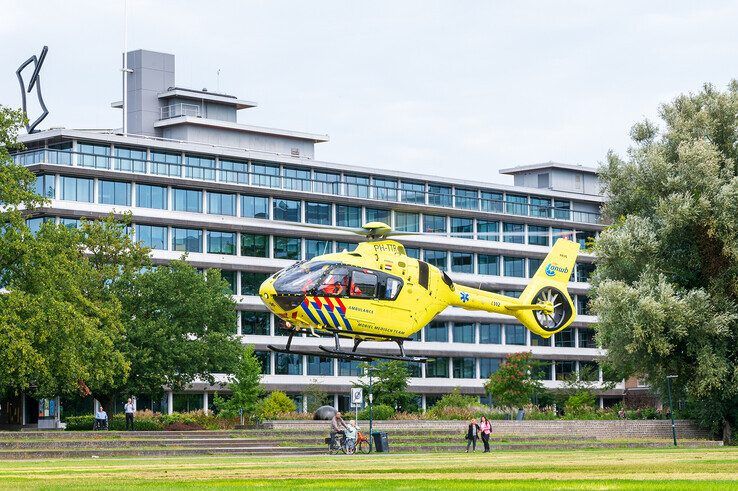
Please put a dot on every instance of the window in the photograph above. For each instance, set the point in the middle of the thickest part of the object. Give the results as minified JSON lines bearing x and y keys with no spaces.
{"x":407,"y":222}
{"x":250,"y":282}
{"x":439,"y":195}
{"x":222,"y":243}
{"x":357,"y":186}
{"x":152,"y":237}
{"x":514,"y":334}
{"x":436,"y":331}
{"x":187,"y":200}
{"x":536,"y":340}
{"x":363,"y":285}
{"x":187,"y":240}
{"x":166,"y":164}
{"x":464,"y":332}
{"x":414,"y":369}
{"x":513,"y":233}
{"x":490,"y":334}
{"x":543,"y":370}
{"x":46,"y":185}
{"x":60,"y":153}
{"x":462,"y":227}
{"x":465,"y":368}
{"x":34,"y":224}
{"x":91,"y":155}
{"x":151,"y":196}
{"x":286,"y":210}
{"x":492,"y":202}
{"x":515,"y":267}
{"x":232,"y":171}
{"x":489,"y":265}
{"x":254,"y":245}
{"x":114,"y":193}
{"x":462,"y":262}
{"x":70,"y":222}
{"x":264,"y":358}
{"x":319,"y":365}
{"x":288,"y":364}
{"x":315,"y":248}
{"x":345,"y":246}
{"x":265,"y":175}
{"x":562,"y":209}
{"x":352,"y":368}
{"x":326,"y":182}
{"x":385,"y":189}
{"x":413,"y":252}
{"x":437,"y":368}
{"x":255,"y":323}
{"x":540,"y":207}
{"x":230,"y":277}
{"x":589,"y":371}
{"x":297,"y":179}
{"x":221,"y":204}
{"x":584,"y":271}
{"x":183,"y":403}
{"x":564,"y":339}
{"x":466,"y":199}
{"x":487,"y":230}
{"x":76,"y":189}
{"x":533,"y":265}
{"x":565,"y":369}
{"x":516,"y":205}
{"x":538,"y":235}
{"x":319,"y":213}
{"x":413,"y":192}
{"x":254,"y":207}
{"x":378,"y":215}
{"x":348,"y":216}
{"x":434,"y":224}
{"x":587,"y":338}
{"x":197,"y":167}
{"x":392,"y":288}
{"x":287,"y":248}
{"x":583,"y":236}
{"x":436,"y":258}
{"x":582,"y":305}
{"x":488,"y":366}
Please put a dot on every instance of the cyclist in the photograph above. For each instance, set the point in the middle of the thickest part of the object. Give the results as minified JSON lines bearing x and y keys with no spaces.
{"x":338,"y":426}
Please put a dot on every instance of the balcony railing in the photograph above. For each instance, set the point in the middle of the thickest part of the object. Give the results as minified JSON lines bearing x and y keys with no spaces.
{"x":181,"y":109}
{"x":246,"y":176}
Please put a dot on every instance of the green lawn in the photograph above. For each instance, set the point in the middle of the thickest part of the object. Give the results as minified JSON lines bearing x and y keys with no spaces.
{"x":689,"y":469}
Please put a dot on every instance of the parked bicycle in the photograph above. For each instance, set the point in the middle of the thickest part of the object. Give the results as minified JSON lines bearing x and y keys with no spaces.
{"x":338,"y":443}
{"x":362,"y":443}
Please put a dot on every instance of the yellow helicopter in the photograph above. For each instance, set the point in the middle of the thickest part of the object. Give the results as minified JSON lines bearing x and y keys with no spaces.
{"x":378,"y":293}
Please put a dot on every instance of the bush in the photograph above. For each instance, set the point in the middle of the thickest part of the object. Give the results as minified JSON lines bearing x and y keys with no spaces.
{"x":149,"y":421}
{"x":275,"y":404}
{"x":80,"y":423}
{"x":580,"y":404}
{"x":379,"y":412}
{"x":456,"y":399}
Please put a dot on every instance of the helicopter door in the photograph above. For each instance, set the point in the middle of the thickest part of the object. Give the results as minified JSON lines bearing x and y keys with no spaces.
{"x":363,"y":287}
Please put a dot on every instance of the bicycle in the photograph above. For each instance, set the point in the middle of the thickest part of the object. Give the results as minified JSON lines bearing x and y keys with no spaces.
{"x":337,"y":443}
{"x":362,"y":443}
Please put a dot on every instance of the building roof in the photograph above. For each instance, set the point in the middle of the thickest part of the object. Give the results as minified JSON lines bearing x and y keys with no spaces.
{"x":548,"y":165}
{"x":204,"y":95}
{"x":228,"y":125}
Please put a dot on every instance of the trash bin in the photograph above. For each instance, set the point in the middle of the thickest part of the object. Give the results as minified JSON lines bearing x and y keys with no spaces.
{"x":381,"y":443}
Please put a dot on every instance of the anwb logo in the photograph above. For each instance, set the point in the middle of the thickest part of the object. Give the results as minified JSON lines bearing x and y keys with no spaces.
{"x":551,"y":269}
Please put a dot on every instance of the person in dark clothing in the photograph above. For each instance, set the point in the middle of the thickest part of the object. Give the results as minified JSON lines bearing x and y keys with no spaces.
{"x":472,"y":434}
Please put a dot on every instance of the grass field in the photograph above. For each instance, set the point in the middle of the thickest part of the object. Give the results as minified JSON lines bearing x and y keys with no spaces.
{"x":689,"y":469}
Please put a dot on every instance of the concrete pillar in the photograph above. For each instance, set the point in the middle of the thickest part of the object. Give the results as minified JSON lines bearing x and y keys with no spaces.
{"x":23,"y":408}
{"x":205,"y":402}
{"x":170,"y":402}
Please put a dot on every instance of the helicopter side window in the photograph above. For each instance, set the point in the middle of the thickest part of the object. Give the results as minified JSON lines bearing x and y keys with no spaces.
{"x":336,"y":283}
{"x":392,"y":288}
{"x":363,"y":285}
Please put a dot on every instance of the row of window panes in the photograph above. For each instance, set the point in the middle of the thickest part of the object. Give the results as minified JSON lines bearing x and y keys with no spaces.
{"x":323,"y":182}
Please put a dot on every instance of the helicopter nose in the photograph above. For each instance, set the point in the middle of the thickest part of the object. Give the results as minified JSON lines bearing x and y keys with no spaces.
{"x":266,"y":290}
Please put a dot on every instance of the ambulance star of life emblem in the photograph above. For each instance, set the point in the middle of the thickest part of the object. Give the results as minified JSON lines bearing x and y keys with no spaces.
{"x":464,"y":297}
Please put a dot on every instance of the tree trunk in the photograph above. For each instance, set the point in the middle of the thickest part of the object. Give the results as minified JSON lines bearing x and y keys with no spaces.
{"x":727,"y":432}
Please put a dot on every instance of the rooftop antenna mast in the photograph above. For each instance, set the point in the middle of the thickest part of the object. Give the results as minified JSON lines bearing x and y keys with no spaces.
{"x":218,"y":84}
{"x":125,"y":69}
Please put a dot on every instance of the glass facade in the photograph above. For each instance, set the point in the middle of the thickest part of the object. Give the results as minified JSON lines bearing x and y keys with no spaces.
{"x":286,"y":210}
{"x":187,"y":200}
{"x":319,"y":213}
{"x":465,"y":367}
{"x":490,"y":334}
{"x":187,"y":240}
{"x":114,"y":193}
{"x":287,"y":248}
{"x":76,"y":189}
{"x":222,"y":242}
{"x":407,"y":222}
{"x":436,"y":331}
{"x":348,"y":216}
{"x":464,"y":332}
{"x":46,"y":186}
{"x":254,"y":207}
{"x":515,"y":334}
{"x":152,"y":236}
{"x":221,"y":204}
{"x":254,"y":245}
{"x":255,"y":323}
{"x":151,"y":196}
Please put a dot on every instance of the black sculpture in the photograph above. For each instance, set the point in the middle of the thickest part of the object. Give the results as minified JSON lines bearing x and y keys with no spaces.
{"x":34,"y":82}
{"x":324,"y":413}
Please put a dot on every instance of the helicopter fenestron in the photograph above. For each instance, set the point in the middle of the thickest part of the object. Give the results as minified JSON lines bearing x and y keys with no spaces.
{"x":378,"y":293}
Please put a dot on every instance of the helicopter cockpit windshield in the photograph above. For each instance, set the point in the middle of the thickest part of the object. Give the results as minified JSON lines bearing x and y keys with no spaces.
{"x":313,"y":278}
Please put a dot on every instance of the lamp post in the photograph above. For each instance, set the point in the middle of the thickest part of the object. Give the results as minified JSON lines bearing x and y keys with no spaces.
{"x":671,"y":408}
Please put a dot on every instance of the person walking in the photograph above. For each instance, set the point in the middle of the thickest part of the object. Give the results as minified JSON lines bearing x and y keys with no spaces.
{"x":472,"y":434}
{"x":485,"y":429}
{"x":129,"y":409}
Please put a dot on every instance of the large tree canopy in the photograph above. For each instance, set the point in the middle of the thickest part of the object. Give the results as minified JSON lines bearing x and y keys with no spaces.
{"x":666,"y":284}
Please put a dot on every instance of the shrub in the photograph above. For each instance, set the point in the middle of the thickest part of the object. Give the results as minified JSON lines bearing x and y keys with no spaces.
{"x":379,"y":412}
{"x":579,"y":405}
{"x":80,"y":423}
{"x":456,"y":399}
{"x":275,"y":404}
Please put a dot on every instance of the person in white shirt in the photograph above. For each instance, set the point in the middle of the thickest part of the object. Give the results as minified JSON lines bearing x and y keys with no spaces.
{"x":129,"y":409}
{"x":351,"y":433}
{"x":101,"y":418}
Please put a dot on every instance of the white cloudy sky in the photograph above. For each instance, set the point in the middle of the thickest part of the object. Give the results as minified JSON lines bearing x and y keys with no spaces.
{"x":453,"y":88}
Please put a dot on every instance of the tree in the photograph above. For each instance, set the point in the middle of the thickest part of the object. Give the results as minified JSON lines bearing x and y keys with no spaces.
{"x":179,"y":328}
{"x":389,"y":385}
{"x":513,"y":384}
{"x":666,"y":283}
{"x":246,"y":389}
{"x":276,"y":403}
{"x":315,"y":396}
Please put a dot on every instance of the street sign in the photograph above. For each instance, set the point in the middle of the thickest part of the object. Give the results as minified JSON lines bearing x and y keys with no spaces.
{"x":357,"y":396}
